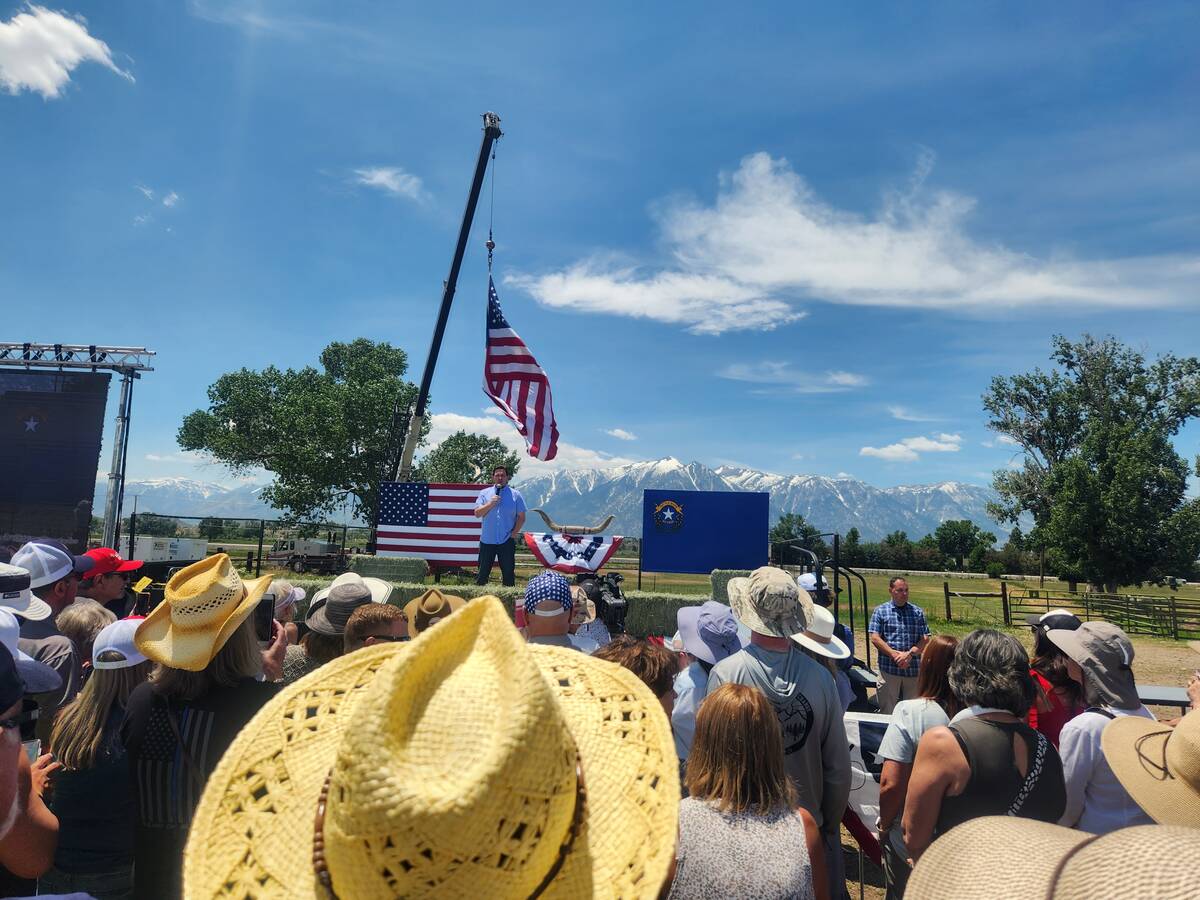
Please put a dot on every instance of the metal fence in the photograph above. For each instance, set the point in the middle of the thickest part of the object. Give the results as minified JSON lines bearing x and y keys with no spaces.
{"x":1172,"y":617}
{"x":250,"y":542}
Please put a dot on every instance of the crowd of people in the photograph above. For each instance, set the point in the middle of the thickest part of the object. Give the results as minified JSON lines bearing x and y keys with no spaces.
{"x":452,"y":748}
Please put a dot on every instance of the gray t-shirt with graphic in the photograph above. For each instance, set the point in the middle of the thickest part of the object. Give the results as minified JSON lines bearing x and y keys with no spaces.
{"x":815,"y":753}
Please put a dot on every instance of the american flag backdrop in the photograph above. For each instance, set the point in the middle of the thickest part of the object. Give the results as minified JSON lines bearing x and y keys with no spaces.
{"x":517,"y":384}
{"x":433,"y":521}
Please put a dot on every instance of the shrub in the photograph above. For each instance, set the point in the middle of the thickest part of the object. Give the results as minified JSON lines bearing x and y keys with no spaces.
{"x":648,"y":613}
{"x":995,"y":569}
{"x":720,"y":584}
{"x":411,"y":569}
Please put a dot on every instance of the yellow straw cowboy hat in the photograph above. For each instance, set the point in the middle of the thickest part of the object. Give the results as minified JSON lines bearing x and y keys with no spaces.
{"x":203,"y":605}
{"x":1158,"y":765}
{"x":465,"y":763}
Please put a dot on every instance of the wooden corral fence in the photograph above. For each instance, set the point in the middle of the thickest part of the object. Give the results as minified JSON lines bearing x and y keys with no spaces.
{"x":1173,"y":617}
{"x":1002,"y":596}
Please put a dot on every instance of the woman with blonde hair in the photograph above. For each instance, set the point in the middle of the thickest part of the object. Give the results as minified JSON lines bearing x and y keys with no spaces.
{"x":93,"y":796}
{"x":741,"y":832}
{"x":180,"y":722}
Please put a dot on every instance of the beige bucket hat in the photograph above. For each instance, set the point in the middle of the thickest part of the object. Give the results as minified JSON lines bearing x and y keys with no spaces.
{"x":203,"y":605}
{"x":465,"y":763}
{"x":1146,"y":862}
{"x":770,"y":602}
{"x":1158,"y":765}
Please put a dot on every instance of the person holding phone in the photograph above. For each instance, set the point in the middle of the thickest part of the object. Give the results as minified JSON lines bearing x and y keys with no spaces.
{"x":502,"y":510}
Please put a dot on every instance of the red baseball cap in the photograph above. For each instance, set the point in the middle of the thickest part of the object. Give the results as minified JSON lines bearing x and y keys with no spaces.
{"x":106,"y":561}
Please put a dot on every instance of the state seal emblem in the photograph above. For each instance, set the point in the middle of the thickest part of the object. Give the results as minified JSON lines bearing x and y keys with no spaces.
{"x":668,"y":516}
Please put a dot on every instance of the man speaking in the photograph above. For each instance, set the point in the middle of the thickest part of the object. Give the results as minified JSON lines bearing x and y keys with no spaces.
{"x":503,"y":512}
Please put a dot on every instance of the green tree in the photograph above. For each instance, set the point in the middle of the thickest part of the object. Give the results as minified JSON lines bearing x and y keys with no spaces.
{"x":154,"y":525}
{"x":793,"y":529}
{"x":897,"y":551}
{"x":210,"y":528}
{"x":927,"y":555}
{"x":327,"y":435}
{"x":958,"y":537}
{"x":1099,"y":473}
{"x":465,"y":458}
{"x":851,"y":548}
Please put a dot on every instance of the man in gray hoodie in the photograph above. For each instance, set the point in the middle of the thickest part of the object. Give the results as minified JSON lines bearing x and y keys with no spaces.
{"x":816,"y":755}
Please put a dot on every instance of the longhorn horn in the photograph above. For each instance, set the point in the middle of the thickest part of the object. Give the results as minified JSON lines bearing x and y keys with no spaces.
{"x":573,"y":529}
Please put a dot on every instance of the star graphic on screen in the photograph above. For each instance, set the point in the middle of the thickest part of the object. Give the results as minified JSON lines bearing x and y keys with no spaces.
{"x":31,"y":423}
{"x":668,"y":514}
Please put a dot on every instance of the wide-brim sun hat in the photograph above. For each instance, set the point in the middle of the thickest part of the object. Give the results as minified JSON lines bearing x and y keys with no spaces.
{"x":380,"y":590}
{"x":819,"y":637}
{"x":442,"y":780}
{"x":15,"y":594}
{"x":709,"y":631}
{"x":203,"y":605}
{"x":1105,"y":654}
{"x":770,"y":602}
{"x":1158,"y":765}
{"x":1154,"y":862}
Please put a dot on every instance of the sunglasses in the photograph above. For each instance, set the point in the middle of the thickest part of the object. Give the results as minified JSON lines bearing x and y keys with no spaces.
{"x":387,"y":637}
{"x":124,"y":576}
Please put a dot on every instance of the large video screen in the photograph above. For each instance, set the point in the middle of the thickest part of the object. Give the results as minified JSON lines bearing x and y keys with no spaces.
{"x":50,"y":429}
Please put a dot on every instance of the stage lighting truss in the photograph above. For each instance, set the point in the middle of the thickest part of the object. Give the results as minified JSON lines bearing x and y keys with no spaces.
{"x":76,"y":356}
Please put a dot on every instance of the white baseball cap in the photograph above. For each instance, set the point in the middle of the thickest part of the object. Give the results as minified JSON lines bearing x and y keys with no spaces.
{"x":38,"y":677}
{"x":48,"y":560}
{"x":118,"y":636}
{"x":16,"y":596}
{"x":808,"y":581}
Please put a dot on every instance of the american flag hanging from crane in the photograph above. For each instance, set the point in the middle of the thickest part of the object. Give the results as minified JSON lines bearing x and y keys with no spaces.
{"x":517,"y":384}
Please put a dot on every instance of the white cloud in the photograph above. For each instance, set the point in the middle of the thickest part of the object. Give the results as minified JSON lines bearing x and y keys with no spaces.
{"x":774,"y":372}
{"x":621,"y":434}
{"x":904,"y":414}
{"x":167,"y":457}
{"x":570,"y":456}
{"x":706,"y":304}
{"x":1002,"y":440}
{"x":170,"y":200}
{"x":146,"y":192}
{"x":40,"y":48}
{"x":843,"y":475}
{"x":768,"y":241}
{"x":142,"y":219}
{"x":391,"y":180}
{"x":909,"y":449}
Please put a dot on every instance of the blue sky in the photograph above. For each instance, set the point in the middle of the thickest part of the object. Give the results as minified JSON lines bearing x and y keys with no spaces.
{"x":800,"y":238}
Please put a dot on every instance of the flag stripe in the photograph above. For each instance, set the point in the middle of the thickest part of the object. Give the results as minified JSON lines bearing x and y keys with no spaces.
{"x":516,"y":383}
{"x":435,"y":522}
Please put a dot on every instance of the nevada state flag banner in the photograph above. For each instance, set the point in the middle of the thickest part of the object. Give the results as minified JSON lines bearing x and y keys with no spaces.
{"x":572,"y":554}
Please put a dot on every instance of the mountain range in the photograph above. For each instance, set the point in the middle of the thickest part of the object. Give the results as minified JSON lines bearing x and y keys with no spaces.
{"x":586,"y":496}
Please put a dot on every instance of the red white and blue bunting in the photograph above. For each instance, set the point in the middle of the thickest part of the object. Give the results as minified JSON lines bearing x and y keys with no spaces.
{"x":572,"y":553}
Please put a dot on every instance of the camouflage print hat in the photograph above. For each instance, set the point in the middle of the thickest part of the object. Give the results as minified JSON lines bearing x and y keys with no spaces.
{"x":770,"y":602}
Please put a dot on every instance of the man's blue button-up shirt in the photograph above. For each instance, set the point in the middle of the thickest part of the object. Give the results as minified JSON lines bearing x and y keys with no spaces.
{"x":901,"y":627}
{"x":498,"y":524}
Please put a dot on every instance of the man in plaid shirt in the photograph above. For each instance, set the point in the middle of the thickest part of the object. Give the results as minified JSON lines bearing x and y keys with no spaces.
{"x":898,"y":631}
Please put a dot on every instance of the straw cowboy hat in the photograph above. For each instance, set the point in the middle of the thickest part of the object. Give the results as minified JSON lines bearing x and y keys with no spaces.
{"x":770,"y":602}
{"x":417,"y":770}
{"x":430,"y":608}
{"x":819,"y":636}
{"x":1158,"y":765}
{"x":1049,"y":862}
{"x":204,"y":604}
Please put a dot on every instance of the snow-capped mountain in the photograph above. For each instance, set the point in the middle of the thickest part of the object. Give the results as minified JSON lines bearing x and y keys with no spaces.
{"x":188,"y":497}
{"x":586,"y":496}
{"x":833,"y":504}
